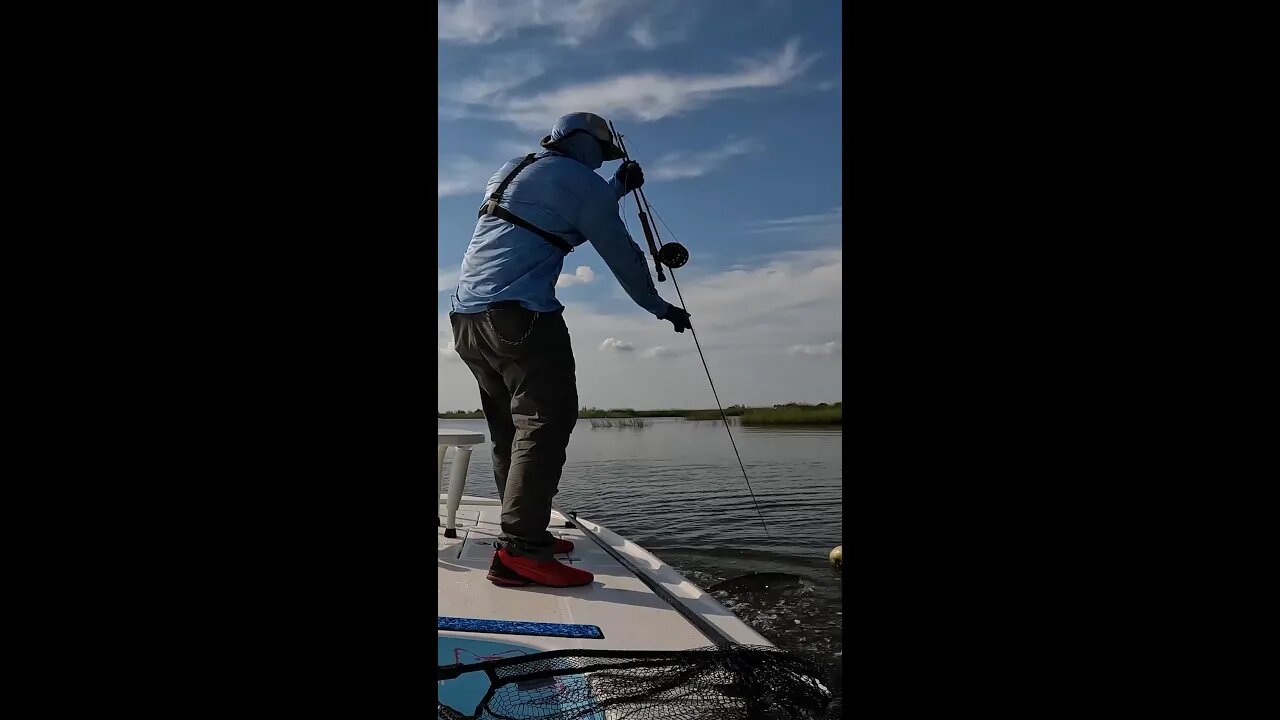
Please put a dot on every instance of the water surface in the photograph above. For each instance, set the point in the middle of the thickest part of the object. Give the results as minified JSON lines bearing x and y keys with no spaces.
{"x":675,"y":488}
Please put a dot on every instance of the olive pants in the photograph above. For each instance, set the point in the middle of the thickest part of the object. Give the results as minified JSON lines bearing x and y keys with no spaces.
{"x":523,"y":362}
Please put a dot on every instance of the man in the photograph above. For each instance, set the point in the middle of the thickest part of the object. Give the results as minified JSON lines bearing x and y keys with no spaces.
{"x":508,"y":327}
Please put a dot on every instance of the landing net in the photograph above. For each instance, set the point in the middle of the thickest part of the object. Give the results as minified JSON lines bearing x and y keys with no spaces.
{"x":722,"y":683}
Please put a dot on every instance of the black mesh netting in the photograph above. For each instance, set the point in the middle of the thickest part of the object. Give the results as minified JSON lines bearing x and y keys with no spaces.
{"x":725,"y":683}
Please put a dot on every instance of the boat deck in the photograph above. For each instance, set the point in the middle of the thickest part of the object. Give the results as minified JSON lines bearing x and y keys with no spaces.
{"x":630,"y":615}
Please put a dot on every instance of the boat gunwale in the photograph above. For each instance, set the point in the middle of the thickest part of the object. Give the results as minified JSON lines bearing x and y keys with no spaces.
{"x":688,"y":593}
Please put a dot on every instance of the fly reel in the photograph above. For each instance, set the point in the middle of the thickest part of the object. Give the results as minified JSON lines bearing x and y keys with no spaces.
{"x":673,"y":255}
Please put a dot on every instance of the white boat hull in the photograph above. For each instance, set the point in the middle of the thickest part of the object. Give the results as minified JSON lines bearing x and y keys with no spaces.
{"x":629,"y":614}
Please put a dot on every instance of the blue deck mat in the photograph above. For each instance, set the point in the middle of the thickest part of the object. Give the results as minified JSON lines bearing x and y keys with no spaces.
{"x":515,"y":627}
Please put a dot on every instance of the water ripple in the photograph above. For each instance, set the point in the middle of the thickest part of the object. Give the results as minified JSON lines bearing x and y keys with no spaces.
{"x":675,"y":488}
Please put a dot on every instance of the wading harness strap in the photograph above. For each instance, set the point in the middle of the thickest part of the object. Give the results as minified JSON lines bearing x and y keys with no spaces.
{"x":491,"y":207}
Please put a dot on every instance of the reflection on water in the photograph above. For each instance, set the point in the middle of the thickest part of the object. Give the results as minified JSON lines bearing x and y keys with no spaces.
{"x":674,"y":487}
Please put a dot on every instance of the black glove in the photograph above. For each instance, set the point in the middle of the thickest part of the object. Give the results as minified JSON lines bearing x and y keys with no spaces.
{"x":629,"y":175}
{"x":678,"y":317}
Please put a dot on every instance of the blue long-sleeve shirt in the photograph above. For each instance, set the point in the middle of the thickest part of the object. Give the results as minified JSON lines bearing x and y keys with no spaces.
{"x":561,"y":194}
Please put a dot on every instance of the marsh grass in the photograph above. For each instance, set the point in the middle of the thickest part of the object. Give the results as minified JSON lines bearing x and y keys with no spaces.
{"x":621,"y":423}
{"x":714,"y":414}
{"x":788,"y":414}
{"x":795,"y":415}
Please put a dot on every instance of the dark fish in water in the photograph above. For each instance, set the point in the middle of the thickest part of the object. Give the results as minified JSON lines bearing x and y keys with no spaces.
{"x":756,"y":582}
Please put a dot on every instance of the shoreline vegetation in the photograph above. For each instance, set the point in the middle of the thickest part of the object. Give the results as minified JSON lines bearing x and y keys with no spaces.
{"x":628,"y":423}
{"x":788,"y":414}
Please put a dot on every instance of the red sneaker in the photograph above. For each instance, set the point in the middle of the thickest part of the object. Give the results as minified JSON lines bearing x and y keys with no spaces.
{"x":561,"y":547}
{"x":511,"y":570}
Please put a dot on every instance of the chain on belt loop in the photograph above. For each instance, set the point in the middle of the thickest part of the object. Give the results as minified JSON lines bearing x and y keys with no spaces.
{"x":498,"y":332}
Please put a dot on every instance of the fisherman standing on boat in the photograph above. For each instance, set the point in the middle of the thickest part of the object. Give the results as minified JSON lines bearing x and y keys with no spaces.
{"x":508,"y":326}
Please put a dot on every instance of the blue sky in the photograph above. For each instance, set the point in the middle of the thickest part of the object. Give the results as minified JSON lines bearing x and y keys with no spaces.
{"x":733,"y":109}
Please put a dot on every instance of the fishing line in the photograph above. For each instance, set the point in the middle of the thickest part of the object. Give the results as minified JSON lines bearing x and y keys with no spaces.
{"x":640,"y":197}
{"x":665,"y":225}
{"x":625,"y":222}
{"x":652,"y":210}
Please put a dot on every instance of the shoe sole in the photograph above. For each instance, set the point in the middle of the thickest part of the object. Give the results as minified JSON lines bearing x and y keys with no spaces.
{"x":500,"y":574}
{"x":506,"y":581}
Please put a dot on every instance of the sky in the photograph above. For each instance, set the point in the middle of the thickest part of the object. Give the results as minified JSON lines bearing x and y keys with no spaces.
{"x":733,"y":111}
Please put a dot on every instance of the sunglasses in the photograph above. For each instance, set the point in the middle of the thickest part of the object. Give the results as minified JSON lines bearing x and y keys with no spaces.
{"x":602,"y":136}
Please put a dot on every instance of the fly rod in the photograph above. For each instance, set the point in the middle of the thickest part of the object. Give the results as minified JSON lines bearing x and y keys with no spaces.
{"x":674,"y":255}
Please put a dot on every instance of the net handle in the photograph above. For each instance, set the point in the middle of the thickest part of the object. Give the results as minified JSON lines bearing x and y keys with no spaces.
{"x":643,"y":658}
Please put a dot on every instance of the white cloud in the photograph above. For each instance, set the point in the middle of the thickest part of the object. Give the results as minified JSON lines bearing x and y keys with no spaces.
{"x":662,"y":351}
{"x":462,"y":175}
{"x":787,"y":289}
{"x":508,"y":149}
{"x":616,"y":345}
{"x":446,"y":280}
{"x":581,"y":276}
{"x":570,"y":22}
{"x":746,"y":319}
{"x":664,"y":23}
{"x":458,"y":174}
{"x":806,"y":223}
{"x":664,"y":28}
{"x":831,"y":348}
{"x":479,"y":22}
{"x":643,"y":96}
{"x":503,"y":73}
{"x":642,"y":33}
{"x":682,"y":165}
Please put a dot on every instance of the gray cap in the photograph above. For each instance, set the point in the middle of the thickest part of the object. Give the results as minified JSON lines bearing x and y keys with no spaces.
{"x":589,"y":123}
